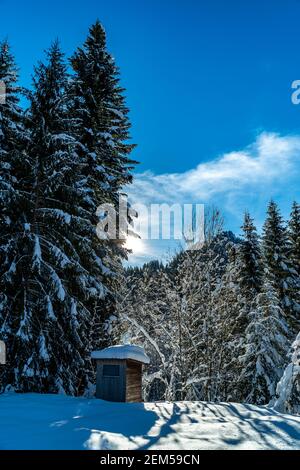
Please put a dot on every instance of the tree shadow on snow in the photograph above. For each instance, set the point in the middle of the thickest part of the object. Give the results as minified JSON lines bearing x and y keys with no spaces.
{"x":166,"y":428}
{"x":57,"y":423}
{"x":254,"y":426}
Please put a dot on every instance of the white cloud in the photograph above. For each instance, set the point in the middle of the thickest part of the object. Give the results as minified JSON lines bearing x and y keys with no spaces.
{"x":269,"y":160}
{"x":235,"y":181}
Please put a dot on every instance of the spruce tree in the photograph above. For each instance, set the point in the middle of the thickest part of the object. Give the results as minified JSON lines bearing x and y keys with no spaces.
{"x":37,"y":282}
{"x":288,"y":389}
{"x":265,"y":348}
{"x":243,"y":278}
{"x":58,"y":280}
{"x":277,"y":265}
{"x":16,"y":177}
{"x":294,"y":257}
{"x":55,"y":356}
{"x":250,"y":276}
{"x":101,"y":123}
{"x":294,"y":236}
{"x":59,"y":273}
{"x":101,"y":126}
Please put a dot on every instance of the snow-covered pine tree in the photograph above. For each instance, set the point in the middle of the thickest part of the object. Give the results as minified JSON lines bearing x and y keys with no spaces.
{"x":266,"y":347}
{"x":56,"y":281}
{"x":243,"y":276}
{"x":294,"y":257}
{"x":277,"y":265}
{"x":101,"y":126}
{"x":250,"y":276}
{"x":15,"y":182}
{"x":101,"y":123}
{"x":288,"y":389}
{"x":268,"y":331}
{"x":42,"y":352}
{"x":241,"y":284}
{"x":294,"y":235}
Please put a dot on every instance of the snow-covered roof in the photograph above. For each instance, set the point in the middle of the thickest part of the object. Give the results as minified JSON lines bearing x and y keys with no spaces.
{"x":125,"y":351}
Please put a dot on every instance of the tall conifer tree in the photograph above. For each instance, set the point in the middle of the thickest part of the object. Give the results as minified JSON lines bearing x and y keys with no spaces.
{"x":294,"y":257}
{"x":101,"y":126}
{"x":266,"y":346}
{"x":250,"y":277}
{"x":288,"y":389}
{"x":278,"y":268}
{"x":15,"y":182}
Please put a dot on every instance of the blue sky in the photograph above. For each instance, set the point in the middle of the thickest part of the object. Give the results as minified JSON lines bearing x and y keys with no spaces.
{"x":208,"y":85}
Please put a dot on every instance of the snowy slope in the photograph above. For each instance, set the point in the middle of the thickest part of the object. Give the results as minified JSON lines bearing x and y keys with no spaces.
{"x":59,"y":422}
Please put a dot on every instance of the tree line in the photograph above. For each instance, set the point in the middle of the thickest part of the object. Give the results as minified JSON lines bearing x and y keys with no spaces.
{"x":219,"y":321}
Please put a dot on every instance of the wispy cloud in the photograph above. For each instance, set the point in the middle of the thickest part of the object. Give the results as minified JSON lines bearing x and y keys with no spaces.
{"x":234,"y":181}
{"x":271,"y":158}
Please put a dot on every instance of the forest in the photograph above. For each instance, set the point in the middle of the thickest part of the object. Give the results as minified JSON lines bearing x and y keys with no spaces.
{"x":61,"y":157}
{"x":220,"y":322}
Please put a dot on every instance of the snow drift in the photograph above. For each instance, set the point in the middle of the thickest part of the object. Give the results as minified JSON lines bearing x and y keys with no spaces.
{"x":58,"y":422}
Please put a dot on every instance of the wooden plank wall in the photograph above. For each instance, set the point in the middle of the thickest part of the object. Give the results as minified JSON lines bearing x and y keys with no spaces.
{"x":133,"y":381}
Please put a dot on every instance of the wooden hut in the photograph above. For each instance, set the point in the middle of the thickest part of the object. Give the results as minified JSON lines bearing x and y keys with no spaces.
{"x":119,"y":373}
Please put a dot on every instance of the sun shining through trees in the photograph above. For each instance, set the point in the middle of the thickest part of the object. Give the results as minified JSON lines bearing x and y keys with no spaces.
{"x":135,"y":244}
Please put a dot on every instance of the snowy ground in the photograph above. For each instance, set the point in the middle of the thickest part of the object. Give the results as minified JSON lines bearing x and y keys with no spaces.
{"x":58,"y":422}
